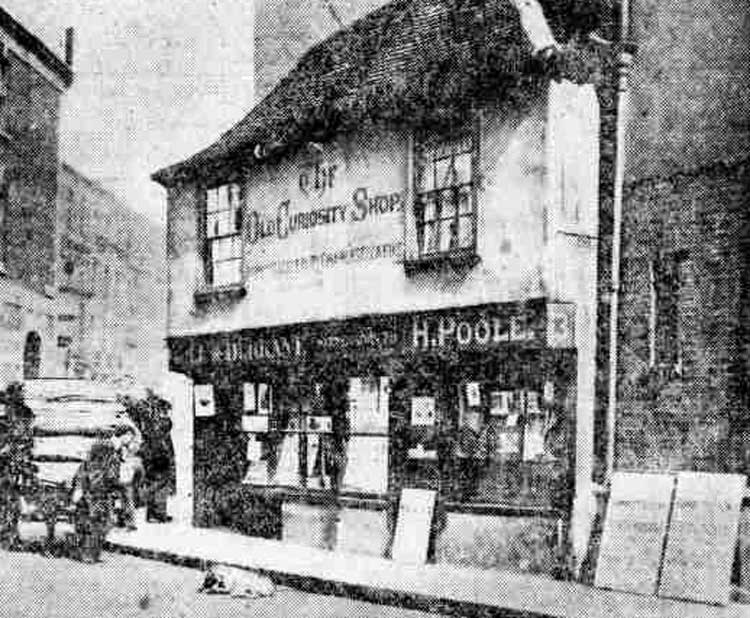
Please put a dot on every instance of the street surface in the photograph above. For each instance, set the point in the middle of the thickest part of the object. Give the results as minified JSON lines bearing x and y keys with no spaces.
{"x":33,"y":586}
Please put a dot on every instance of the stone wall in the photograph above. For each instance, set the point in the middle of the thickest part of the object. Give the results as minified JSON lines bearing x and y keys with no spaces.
{"x":29,"y":119}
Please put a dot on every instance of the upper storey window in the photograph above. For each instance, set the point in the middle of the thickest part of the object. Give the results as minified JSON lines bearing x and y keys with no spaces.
{"x":223,"y":263}
{"x":445,"y":210}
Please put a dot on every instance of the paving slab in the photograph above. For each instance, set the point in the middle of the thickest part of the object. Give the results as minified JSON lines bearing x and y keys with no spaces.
{"x":457,"y":589}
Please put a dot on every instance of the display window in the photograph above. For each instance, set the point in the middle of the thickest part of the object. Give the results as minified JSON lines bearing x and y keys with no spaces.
{"x":481,"y":426}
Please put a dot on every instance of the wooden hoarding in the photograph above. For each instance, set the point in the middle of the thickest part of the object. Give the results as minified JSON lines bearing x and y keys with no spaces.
{"x":702,"y":537}
{"x":634,"y":532}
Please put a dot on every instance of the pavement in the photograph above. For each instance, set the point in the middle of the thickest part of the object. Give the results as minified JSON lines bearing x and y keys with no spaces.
{"x":436,"y":588}
{"x":32,"y":586}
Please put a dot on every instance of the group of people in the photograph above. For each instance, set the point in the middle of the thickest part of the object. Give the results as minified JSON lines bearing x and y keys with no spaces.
{"x":115,"y":474}
{"x":133,"y":465}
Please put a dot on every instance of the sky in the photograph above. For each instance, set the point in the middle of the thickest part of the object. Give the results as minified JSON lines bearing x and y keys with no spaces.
{"x":155,"y":81}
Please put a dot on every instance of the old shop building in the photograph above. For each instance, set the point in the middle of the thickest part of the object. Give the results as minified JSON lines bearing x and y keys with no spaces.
{"x":384,"y":276}
{"x":32,"y":81}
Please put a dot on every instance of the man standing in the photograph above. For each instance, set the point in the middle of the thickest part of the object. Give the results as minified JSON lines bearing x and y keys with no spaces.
{"x":94,"y":487}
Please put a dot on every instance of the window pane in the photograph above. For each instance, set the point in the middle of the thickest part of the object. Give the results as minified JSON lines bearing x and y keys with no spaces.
{"x":212,"y":200}
{"x":448,"y":204}
{"x":431,"y":232}
{"x":223,"y":197}
{"x":234,"y":195}
{"x":219,"y":224}
{"x":462,"y":166}
{"x":448,"y":235}
{"x":226,"y":272}
{"x":466,"y":231}
{"x":430,"y":208}
{"x":444,"y":173}
{"x":465,"y":205}
{"x":226,"y":248}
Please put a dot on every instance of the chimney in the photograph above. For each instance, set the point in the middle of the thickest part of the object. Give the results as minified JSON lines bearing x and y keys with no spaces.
{"x":69,"y":40}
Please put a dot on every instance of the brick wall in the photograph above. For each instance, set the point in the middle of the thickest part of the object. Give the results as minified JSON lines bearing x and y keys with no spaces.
{"x":29,"y":118}
{"x":689,"y":84}
{"x":688,"y":228}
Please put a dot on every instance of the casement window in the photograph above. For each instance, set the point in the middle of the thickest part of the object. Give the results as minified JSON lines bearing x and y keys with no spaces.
{"x":223,"y":220}
{"x":445,"y":211}
{"x":672,"y":322}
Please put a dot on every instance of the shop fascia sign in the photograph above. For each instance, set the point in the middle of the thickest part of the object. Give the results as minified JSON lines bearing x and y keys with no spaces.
{"x":480,"y":327}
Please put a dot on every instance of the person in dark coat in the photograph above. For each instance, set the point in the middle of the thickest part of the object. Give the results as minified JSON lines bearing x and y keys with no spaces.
{"x":17,"y":472}
{"x":94,"y":487}
{"x":158,"y":463}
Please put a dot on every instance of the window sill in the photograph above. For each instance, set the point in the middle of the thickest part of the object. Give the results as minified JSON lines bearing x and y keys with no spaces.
{"x":209,"y":294}
{"x":460,"y":259}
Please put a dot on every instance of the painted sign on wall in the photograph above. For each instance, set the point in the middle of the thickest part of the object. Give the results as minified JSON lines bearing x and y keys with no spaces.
{"x":324,"y":210}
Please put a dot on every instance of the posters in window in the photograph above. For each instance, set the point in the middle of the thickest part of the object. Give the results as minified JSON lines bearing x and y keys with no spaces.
{"x":287,"y":470}
{"x":501,"y":403}
{"x":203,"y":395}
{"x":264,"y":398}
{"x":368,"y":404}
{"x":533,"y":437}
{"x":366,"y":464}
{"x":423,"y":411}
{"x":254,"y":423}
{"x":248,"y":397}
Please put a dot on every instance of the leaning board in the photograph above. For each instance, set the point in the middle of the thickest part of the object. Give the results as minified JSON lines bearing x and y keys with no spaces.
{"x":702,"y":537}
{"x":634,"y":532}
{"x":412,"y":536}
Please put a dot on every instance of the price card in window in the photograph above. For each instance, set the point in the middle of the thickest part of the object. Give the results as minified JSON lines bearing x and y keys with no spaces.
{"x":473,"y":396}
{"x":423,"y":411}
{"x":203,"y":395}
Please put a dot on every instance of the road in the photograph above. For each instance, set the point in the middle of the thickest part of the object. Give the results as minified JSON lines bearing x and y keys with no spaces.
{"x":33,"y":586}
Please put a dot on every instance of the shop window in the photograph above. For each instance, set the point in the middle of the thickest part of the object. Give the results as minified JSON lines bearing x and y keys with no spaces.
{"x":508,"y":442}
{"x":672,"y":323}
{"x":319,"y":437}
{"x":223,"y":220}
{"x":444,"y":209}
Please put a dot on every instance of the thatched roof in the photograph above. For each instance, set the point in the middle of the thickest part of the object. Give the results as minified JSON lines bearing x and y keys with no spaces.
{"x":410,"y":61}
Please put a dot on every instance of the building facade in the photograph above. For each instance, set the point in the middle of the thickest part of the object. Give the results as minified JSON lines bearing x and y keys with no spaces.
{"x":683,"y":381}
{"x":111,"y":309}
{"x":32,"y":82}
{"x":385,"y":277}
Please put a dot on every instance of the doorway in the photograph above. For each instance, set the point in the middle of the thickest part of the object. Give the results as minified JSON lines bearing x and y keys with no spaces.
{"x":32,"y":356}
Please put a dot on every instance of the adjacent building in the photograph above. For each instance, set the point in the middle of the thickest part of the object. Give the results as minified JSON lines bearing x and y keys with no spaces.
{"x":32,"y":82}
{"x":385,"y":276}
{"x":111,"y":281}
{"x":683,"y":343}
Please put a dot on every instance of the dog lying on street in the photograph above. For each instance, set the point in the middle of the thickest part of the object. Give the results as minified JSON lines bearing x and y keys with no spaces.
{"x":237,"y":583}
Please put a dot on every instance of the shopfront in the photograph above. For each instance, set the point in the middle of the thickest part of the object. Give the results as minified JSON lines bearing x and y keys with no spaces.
{"x":476,"y":403}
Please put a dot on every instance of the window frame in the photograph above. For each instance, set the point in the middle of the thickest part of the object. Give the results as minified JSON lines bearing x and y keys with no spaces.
{"x":669,"y":331}
{"x":429,"y":151}
{"x":234,"y":234}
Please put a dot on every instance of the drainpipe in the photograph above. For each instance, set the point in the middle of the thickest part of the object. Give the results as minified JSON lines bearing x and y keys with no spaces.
{"x":624,"y":61}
